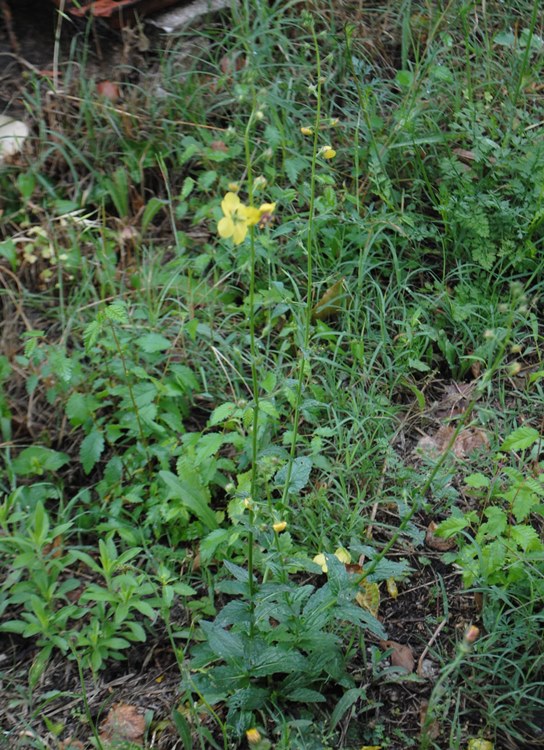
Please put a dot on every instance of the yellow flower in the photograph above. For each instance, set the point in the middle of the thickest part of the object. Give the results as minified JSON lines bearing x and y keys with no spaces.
{"x":476,"y":744}
{"x":306,"y":131}
{"x":327,"y":152}
{"x":234,"y":187}
{"x":280,"y":526}
{"x":235,"y":219}
{"x":341,"y":553}
{"x":253,"y":736}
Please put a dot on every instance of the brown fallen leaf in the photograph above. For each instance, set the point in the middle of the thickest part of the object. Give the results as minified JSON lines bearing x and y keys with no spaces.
{"x":219,"y":146}
{"x":429,"y":726}
{"x":401,"y":655}
{"x":437,"y":542}
{"x":330,"y":303}
{"x":124,"y":723}
{"x":108,"y":90}
{"x":71,"y":744}
{"x":467,"y":441}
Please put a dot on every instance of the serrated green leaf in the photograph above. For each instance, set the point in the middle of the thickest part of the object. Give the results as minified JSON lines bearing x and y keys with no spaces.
{"x":91,"y":334}
{"x":525,"y":537}
{"x":116,"y":312}
{"x":300,"y":474}
{"x":451,"y":526}
{"x":520,"y":439}
{"x":153,"y":342}
{"x":37,"y":459}
{"x":90,"y":450}
{"x":523,"y":502}
{"x":478,"y":481}
{"x":221,"y":413}
{"x":187,"y":187}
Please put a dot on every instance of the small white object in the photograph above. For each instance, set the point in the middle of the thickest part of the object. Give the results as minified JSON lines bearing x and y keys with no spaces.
{"x":174,"y":20}
{"x":12,"y":136}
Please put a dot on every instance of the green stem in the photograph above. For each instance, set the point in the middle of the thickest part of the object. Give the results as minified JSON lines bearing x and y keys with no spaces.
{"x":304,"y":354}
{"x":254,"y":378}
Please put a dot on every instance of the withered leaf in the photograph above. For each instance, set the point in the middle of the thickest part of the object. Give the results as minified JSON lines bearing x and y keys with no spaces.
{"x":429,"y":726}
{"x":330,"y":303}
{"x":401,"y":655}
{"x":123,"y":723}
{"x":437,"y":542}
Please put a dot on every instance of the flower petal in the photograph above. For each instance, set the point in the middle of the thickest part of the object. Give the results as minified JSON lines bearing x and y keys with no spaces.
{"x":239,"y":232}
{"x":267,"y":208}
{"x":343,"y":555}
{"x":321,"y":561}
{"x":230,"y":203}
{"x":225,"y":227}
{"x":251,"y":215}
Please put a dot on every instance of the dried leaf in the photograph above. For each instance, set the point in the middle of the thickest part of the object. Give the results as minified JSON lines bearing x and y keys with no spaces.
{"x":429,"y":728}
{"x":369,"y":597}
{"x":219,"y":146}
{"x":401,"y":655}
{"x":437,"y":542}
{"x":124,"y":723}
{"x":467,"y":442}
{"x":108,"y":90}
{"x":71,"y":744}
{"x":329,"y":304}
{"x":392,"y":589}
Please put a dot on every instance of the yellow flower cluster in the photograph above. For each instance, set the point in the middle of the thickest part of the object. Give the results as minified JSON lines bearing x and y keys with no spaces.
{"x":237,"y":217}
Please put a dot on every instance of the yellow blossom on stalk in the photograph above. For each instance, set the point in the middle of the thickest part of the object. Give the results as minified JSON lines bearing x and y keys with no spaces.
{"x":327,"y":152}
{"x":280,"y":526}
{"x":235,"y":219}
{"x":306,"y":131}
{"x":253,"y":736}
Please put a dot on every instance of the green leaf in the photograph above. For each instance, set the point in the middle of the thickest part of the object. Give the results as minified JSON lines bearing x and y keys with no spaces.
{"x":305,"y":695}
{"x":274,"y":660}
{"x":188,"y":185}
{"x":151,"y":210}
{"x":300,"y":474}
{"x":497,"y":520}
{"x":153,"y":342}
{"x":183,"y":729}
{"x":525,"y":537}
{"x":520,"y":439}
{"x":451,"y":526}
{"x":192,"y":495}
{"x":77,"y":410}
{"x":523,"y":502}
{"x":478,"y":481}
{"x":211,"y":542}
{"x":37,"y":460}
{"x":223,"y":643}
{"x":117,"y":312}
{"x":348,"y":700}
{"x":222,"y":413}
{"x":90,"y":450}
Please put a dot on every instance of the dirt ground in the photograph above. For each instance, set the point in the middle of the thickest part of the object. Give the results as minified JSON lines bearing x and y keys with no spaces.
{"x":27,"y":42}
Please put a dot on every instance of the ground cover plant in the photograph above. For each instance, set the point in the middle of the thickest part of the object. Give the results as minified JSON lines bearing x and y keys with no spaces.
{"x":271,"y":386}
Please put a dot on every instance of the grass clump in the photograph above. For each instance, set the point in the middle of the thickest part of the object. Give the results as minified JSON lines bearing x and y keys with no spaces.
{"x":234,"y":303}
